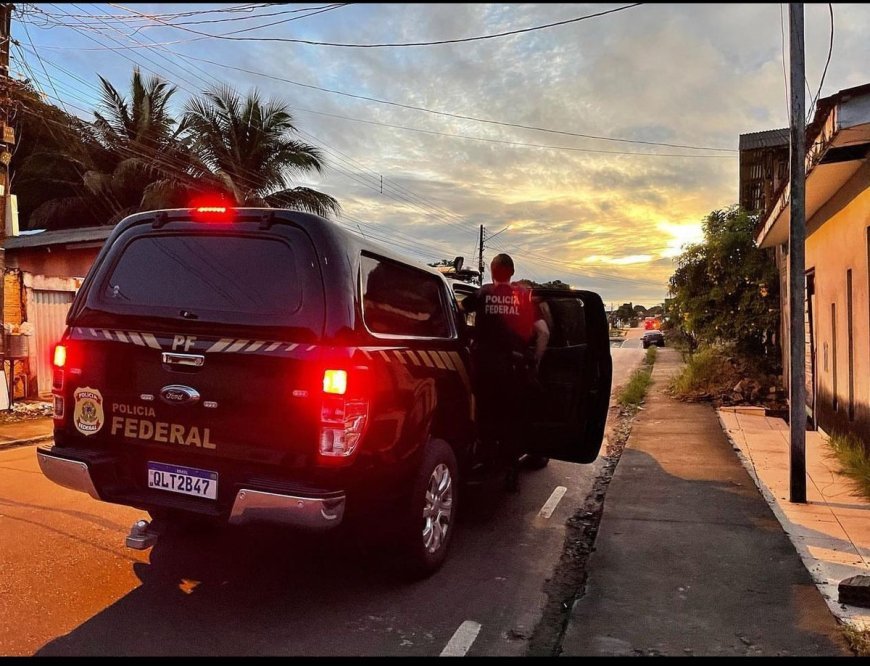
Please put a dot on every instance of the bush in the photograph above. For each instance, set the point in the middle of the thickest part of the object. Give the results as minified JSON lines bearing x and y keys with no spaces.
{"x":854,"y":460}
{"x":704,"y":375}
{"x":717,"y":374}
{"x":635,"y":391}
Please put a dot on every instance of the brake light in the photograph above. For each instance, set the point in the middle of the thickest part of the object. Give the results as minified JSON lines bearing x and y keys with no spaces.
{"x":59,"y":356}
{"x":335,"y":381}
{"x":59,"y":362}
{"x":213,"y":210}
{"x":343,"y":414}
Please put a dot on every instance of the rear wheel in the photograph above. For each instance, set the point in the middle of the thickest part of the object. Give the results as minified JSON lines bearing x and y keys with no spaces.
{"x":426,"y":527}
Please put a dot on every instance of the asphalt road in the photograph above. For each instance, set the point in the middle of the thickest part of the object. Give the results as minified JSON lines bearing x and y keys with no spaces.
{"x":68,"y":586}
{"x":632,"y":339}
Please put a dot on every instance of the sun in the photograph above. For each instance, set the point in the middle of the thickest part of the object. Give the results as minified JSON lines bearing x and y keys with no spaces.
{"x":680,"y":235}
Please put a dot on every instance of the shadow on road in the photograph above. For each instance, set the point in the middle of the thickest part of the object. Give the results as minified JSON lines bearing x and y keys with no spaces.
{"x":268,"y":591}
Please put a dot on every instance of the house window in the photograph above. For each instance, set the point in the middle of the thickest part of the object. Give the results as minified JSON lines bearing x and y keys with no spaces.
{"x":851,"y":345}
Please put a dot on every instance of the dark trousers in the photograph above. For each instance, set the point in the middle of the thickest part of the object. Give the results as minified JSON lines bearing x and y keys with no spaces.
{"x":502,"y":406}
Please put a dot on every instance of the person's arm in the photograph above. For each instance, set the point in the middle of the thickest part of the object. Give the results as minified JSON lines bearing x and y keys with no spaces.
{"x":469,"y":303}
{"x":542,"y":337}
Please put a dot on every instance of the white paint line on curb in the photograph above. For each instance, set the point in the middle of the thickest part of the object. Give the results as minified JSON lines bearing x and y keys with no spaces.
{"x":551,"y":504}
{"x":462,"y":640}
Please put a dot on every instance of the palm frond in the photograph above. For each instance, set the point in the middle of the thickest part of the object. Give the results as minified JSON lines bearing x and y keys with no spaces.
{"x":304,"y":199}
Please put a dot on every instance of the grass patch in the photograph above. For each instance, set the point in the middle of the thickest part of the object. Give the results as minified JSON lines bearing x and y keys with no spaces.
{"x":858,"y":639}
{"x":635,"y":390}
{"x":852,"y":455}
{"x":703,"y":373}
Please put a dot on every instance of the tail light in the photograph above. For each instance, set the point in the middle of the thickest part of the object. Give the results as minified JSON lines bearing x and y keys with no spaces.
{"x":59,"y":362}
{"x":212,"y":211}
{"x":344,"y":413}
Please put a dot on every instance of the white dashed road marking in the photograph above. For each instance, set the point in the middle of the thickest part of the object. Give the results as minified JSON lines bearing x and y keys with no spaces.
{"x":462,"y":640}
{"x":551,"y":504}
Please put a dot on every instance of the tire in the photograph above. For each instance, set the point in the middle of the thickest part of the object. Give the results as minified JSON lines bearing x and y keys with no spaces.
{"x":646,"y":345}
{"x":423,"y":542}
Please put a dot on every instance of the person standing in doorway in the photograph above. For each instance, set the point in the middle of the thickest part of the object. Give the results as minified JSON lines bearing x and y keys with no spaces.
{"x":511,"y":336}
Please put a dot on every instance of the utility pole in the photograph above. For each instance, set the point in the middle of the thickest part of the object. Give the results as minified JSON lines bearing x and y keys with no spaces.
{"x":796,"y":247}
{"x":7,"y":137}
{"x":480,"y":260}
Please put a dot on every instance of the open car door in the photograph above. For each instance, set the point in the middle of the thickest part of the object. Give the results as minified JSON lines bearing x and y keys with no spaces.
{"x":569,"y":411}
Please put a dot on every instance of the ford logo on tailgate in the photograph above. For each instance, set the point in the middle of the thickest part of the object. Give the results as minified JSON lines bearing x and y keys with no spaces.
{"x":176,"y":394}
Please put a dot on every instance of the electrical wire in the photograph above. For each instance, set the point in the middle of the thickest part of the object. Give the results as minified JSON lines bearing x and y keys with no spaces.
{"x":394,"y":44}
{"x":602,"y":276}
{"x":457,"y":116}
{"x":433,"y":111}
{"x":827,"y":62}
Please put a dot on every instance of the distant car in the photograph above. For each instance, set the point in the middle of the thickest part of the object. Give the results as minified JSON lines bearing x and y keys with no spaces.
{"x":653,"y":338}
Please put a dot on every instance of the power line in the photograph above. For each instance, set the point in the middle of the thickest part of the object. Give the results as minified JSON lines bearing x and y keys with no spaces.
{"x":400,"y":197}
{"x":415,"y":242}
{"x":394,"y":44}
{"x":504,"y":141}
{"x":784,"y":74}
{"x":412,"y":244}
{"x":815,"y":99}
{"x":457,"y":116}
{"x":38,"y":57}
{"x":127,"y":19}
{"x":198,"y":12}
{"x":323,"y":145}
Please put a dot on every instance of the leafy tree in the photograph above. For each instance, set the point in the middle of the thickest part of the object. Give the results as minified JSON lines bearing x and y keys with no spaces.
{"x":555,"y":284}
{"x":52,"y":153}
{"x":246,"y":149}
{"x":137,"y":156}
{"x":626,"y":314}
{"x":726,"y":290}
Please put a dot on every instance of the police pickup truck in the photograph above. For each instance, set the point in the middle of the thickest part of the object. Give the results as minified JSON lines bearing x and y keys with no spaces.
{"x":261,"y":365}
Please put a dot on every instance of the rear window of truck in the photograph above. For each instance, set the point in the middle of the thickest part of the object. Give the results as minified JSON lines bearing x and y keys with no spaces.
{"x":216,"y":278}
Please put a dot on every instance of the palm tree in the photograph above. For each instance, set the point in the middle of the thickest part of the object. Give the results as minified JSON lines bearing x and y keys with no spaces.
{"x":247,"y":147}
{"x":150,"y":164}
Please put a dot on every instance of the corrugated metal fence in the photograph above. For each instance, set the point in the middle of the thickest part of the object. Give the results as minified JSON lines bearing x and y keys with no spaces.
{"x":48,"y":313}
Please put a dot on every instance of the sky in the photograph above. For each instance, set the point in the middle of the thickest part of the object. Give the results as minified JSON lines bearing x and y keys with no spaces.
{"x":608,"y":214}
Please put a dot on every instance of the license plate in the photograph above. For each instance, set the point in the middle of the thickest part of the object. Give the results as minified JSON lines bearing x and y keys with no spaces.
{"x":184,"y":480}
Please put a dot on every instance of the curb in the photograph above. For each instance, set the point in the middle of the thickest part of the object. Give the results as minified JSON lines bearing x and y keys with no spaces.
{"x":15,"y":443}
{"x":827,"y":589}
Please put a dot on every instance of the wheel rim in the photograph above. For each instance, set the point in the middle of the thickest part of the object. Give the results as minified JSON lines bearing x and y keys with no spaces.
{"x":438,"y":508}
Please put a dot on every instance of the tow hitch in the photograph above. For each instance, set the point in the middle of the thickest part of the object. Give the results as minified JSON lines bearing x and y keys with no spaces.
{"x":142,"y":535}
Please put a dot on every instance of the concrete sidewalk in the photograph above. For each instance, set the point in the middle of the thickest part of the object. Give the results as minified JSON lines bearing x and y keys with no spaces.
{"x":831,"y":532}
{"x":689,"y":559}
{"x":20,"y":433}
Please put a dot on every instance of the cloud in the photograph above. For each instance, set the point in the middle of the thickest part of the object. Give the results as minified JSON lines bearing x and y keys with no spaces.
{"x":697,"y":75}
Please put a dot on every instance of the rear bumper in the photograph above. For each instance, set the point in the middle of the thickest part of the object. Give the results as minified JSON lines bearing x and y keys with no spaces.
{"x":317,"y":511}
{"x":256,"y":506}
